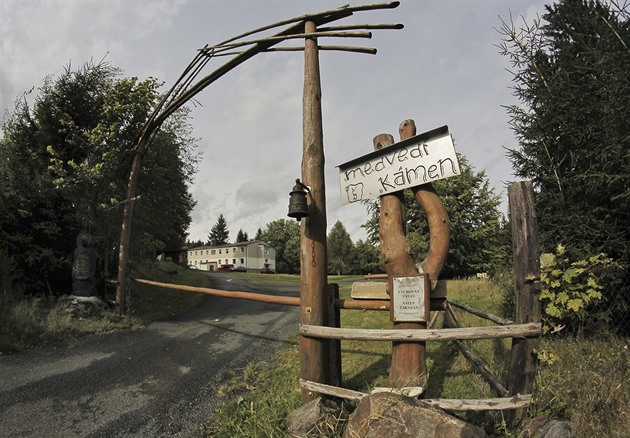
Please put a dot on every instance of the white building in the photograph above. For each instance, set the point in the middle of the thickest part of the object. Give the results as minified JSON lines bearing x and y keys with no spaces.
{"x":249,"y":256}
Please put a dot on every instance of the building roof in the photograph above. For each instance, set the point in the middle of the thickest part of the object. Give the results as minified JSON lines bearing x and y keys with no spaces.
{"x":230,"y":245}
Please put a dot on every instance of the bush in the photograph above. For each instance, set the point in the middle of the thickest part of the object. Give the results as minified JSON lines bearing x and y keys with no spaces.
{"x":571,"y":290}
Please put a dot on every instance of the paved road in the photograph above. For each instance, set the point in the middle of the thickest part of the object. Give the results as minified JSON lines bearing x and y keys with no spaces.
{"x":155,"y":382}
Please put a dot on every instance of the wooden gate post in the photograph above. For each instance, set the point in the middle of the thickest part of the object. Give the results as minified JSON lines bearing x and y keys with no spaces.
{"x":408,"y":358}
{"x":313,"y":257}
{"x":526,"y":291}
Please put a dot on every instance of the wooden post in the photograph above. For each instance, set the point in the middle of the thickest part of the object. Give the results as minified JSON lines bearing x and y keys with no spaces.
{"x":313,"y":257}
{"x":526,"y":291}
{"x":408,"y":358}
{"x":334,"y":345}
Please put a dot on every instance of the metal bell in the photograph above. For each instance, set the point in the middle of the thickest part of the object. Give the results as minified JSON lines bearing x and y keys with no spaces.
{"x":298,"y":208}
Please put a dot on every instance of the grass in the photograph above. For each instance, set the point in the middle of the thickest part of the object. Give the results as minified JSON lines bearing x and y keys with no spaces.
{"x":586,"y":381}
{"x":30,"y":321}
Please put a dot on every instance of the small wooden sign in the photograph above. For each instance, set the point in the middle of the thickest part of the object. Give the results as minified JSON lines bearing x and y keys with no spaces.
{"x":410,"y":298}
{"x":418,"y":160}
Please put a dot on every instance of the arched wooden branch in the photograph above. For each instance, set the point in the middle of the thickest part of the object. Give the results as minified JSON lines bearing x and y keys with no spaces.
{"x":437,"y":217}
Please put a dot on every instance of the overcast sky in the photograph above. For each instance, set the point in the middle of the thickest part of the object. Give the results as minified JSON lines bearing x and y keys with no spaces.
{"x":442,"y":69}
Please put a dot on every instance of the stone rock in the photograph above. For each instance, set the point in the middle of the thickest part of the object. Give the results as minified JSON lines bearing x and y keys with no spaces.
{"x":393,"y":415}
{"x":312,"y":417}
{"x":542,"y":427}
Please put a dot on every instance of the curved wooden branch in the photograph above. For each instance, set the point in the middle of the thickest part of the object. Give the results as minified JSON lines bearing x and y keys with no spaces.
{"x":437,"y":217}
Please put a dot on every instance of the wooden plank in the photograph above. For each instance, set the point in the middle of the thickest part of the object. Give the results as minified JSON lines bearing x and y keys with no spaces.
{"x":526,"y":290}
{"x":369,"y":290}
{"x":438,"y":335}
{"x":331,"y":390}
{"x":462,"y":405}
{"x":489,"y":404}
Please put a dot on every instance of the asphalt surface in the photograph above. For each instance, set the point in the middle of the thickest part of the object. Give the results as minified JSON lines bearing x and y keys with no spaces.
{"x":159,"y":381}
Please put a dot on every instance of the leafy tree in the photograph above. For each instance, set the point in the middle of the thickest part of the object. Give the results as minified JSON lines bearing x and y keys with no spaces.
{"x":284,"y":236}
{"x":367,"y":258}
{"x":340,"y":249}
{"x":242,"y":236}
{"x":219,"y":233}
{"x":473,"y":211}
{"x":64,"y":164}
{"x":258,"y":235}
{"x":570,"y":73}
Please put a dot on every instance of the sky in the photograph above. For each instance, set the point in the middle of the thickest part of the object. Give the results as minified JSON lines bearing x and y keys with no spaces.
{"x":443,"y":68}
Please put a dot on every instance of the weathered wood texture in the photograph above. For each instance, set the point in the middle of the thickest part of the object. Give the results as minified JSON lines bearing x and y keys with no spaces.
{"x":313,"y":257}
{"x":481,"y":314}
{"x":526,"y":291}
{"x":449,"y":334}
{"x":504,"y":403}
{"x":408,"y":358}
{"x":437,"y":218}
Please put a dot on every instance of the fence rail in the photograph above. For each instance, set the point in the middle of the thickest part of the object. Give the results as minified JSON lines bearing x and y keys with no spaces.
{"x":530,"y":330}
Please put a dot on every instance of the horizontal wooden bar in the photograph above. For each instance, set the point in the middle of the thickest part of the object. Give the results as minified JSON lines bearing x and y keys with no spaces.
{"x":350,"y":304}
{"x":488,"y":404}
{"x":273,"y":299}
{"x":449,"y":334}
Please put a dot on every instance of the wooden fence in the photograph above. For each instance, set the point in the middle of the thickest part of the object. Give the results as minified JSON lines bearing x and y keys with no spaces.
{"x":524,"y":331}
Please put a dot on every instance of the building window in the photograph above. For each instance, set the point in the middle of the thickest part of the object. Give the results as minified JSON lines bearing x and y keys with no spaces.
{"x":242,"y":261}
{"x":233,"y":250}
{"x":233,"y":261}
{"x":219,"y":251}
{"x":242,"y":249}
{"x":213,"y":252}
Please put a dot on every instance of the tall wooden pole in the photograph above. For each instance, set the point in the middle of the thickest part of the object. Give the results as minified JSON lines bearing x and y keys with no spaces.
{"x":526,"y":291}
{"x":313,"y":257}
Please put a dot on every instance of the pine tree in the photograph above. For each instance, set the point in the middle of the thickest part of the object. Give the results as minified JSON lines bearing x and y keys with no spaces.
{"x":219,"y":233}
{"x":571,"y":74}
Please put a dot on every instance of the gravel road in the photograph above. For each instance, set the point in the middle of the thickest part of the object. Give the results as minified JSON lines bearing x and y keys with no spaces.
{"x":158,"y":381}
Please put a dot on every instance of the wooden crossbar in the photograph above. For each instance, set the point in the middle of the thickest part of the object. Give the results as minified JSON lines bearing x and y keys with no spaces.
{"x":489,"y":404}
{"x":449,"y":334}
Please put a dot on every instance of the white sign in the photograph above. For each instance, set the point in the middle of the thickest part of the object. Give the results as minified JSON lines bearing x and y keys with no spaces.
{"x":418,"y":160}
{"x":410,"y":298}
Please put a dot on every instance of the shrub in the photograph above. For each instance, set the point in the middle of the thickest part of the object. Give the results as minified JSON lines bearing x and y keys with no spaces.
{"x":571,"y":290}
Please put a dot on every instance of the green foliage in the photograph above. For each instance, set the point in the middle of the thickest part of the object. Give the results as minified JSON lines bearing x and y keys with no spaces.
{"x":284,"y":236}
{"x":367,"y":258}
{"x":65,"y":166}
{"x":570,"y":74}
{"x":340,"y":250}
{"x":219,"y":234}
{"x":476,"y":239}
{"x":26,"y":321}
{"x":571,"y":289}
{"x":242,"y":236}
{"x":588,"y":382}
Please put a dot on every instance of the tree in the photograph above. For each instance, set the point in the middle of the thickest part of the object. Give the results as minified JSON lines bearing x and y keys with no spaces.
{"x":64,"y":164}
{"x":284,"y":236}
{"x":219,"y":233}
{"x":473,"y":211}
{"x":340,"y":250}
{"x":242,"y":236}
{"x":258,"y":235}
{"x":367,"y":258}
{"x":570,"y":74}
